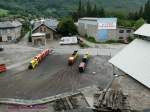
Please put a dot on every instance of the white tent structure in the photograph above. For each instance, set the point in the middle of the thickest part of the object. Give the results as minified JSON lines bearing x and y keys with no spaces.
{"x":134,"y":60}
{"x":143,"y":30}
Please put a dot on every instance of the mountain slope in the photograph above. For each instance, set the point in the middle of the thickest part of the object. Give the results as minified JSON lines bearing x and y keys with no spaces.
{"x":62,"y":7}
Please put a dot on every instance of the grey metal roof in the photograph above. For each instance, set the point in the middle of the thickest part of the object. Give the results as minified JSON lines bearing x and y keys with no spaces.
{"x":144,"y":30}
{"x":135,"y":61}
{"x":51,"y":23}
{"x":10,"y":24}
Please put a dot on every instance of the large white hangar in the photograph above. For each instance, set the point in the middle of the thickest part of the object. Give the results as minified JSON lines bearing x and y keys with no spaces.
{"x":134,"y":60}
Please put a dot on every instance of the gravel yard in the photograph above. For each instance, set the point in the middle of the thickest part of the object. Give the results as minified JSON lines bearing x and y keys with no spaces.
{"x":14,"y":53}
{"x":53,"y":76}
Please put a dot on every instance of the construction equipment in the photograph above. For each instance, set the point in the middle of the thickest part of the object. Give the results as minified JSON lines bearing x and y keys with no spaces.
{"x":84,"y":62}
{"x":3,"y":68}
{"x":37,"y":59}
{"x":73,"y":58}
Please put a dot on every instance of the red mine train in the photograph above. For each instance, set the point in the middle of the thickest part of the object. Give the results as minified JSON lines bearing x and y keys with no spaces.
{"x":3,"y":68}
{"x":37,"y":59}
{"x":84,"y":62}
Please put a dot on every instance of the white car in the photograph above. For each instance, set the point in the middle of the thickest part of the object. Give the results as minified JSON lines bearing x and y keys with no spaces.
{"x":68,"y":40}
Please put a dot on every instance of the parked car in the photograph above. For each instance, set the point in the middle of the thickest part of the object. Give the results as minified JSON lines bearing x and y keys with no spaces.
{"x":68,"y":40}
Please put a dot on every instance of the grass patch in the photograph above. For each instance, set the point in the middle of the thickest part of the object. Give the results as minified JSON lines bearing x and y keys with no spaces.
{"x":93,"y":40}
{"x":3,"y":12}
{"x":83,"y":45}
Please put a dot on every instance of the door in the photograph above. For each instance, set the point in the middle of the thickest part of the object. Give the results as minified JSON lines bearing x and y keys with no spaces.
{"x":102,"y":34}
{"x":48,"y":36}
{"x":1,"y":39}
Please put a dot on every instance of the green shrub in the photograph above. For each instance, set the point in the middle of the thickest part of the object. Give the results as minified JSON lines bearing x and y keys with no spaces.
{"x":111,"y":41}
{"x":91,"y":39}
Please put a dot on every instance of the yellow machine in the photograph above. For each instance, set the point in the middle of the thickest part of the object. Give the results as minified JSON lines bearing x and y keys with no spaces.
{"x":87,"y":55}
{"x":33,"y":63}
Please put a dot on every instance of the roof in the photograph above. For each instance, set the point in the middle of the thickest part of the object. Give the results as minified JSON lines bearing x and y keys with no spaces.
{"x":10,"y":24}
{"x":50,"y":23}
{"x":135,"y":61}
{"x":143,"y":30}
{"x":38,"y":34}
{"x":89,"y":18}
{"x":96,"y":19}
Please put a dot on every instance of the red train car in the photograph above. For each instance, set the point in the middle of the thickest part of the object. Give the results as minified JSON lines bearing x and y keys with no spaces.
{"x":3,"y":68}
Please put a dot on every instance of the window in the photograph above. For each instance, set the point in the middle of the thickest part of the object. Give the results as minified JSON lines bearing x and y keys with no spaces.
{"x":9,"y":38}
{"x":121,"y":31}
{"x":128,"y":31}
{"x":45,"y":29}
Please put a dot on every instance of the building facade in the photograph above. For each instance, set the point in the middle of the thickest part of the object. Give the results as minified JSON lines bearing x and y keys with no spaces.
{"x":39,"y":39}
{"x":123,"y":33}
{"x":48,"y":27}
{"x":103,"y":29}
{"x":10,"y":31}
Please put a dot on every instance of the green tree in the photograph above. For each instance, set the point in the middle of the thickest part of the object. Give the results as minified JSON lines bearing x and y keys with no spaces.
{"x":139,"y":23}
{"x":146,"y":14}
{"x":101,"y":12}
{"x":95,"y":11}
{"x":88,"y":9}
{"x":80,"y":9}
{"x":66,"y":27}
{"x":141,"y":12}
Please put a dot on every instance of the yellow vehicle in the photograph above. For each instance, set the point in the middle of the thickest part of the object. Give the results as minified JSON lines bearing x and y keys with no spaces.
{"x":73,"y":58}
{"x":33,"y":63}
{"x":87,"y":55}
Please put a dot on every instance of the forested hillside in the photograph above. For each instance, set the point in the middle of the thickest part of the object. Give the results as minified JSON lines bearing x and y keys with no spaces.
{"x":63,"y":7}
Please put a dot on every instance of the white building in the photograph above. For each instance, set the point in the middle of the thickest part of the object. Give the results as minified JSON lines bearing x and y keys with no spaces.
{"x":10,"y":31}
{"x":134,"y":60}
{"x":103,"y":29}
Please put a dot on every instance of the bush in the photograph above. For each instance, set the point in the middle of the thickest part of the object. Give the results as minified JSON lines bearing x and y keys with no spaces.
{"x":91,"y":39}
{"x":83,"y":45}
{"x":66,"y":27}
{"x":111,"y":41}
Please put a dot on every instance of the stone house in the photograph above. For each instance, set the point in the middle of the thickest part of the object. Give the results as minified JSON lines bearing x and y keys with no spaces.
{"x":10,"y":31}
{"x":48,"y":27}
{"x":39,"y":39}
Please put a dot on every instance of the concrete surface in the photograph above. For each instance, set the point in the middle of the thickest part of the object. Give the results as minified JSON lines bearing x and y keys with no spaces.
{"x":47,"y":107}
{"x":53,"y":76}
{"x":14,"y":54}
{"x":138,"y":95}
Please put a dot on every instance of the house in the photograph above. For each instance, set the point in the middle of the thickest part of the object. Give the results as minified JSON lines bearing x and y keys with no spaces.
{"x":134,"y":59}
{"x":10,"y":31}
{"x":103,"y":29}
{"x":39,"y":39}
{"x":123,"y":33}
{"x":47,"y":26}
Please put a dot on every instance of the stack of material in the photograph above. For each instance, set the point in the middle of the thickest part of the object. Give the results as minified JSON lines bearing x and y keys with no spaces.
{"x":110,"y":100}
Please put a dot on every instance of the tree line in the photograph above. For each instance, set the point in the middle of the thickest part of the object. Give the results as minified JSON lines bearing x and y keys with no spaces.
{"x":144,"y":13}
{"x":88,"y":10}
